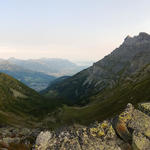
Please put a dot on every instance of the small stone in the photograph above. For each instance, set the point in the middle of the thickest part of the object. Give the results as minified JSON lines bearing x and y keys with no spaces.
{"x":8,"y":140}
{"x":140,"y":142}
{"x":43,"y":139}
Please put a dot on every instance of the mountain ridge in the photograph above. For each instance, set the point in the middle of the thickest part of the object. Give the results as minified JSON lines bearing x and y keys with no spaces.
{"x":128,"y":58}
{"x":51,"y":66}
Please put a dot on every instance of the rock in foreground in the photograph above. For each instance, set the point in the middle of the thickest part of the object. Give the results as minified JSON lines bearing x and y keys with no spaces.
{"x":128,"y":131}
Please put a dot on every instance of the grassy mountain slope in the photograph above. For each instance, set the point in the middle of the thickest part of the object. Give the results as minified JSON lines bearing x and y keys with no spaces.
{"x":20,"y":105}
{"x":54,"y":82}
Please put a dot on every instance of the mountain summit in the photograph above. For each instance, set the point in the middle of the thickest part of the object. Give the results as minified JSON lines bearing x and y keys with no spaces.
{"x":141,"y":38}
{"x":132,"y":55}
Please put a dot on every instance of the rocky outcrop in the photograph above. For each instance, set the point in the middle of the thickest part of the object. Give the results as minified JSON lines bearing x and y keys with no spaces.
{"x":12,"y":138}
{"x":128,"y":131}
{"x":145,"y":107}
{"x":141,"y":38}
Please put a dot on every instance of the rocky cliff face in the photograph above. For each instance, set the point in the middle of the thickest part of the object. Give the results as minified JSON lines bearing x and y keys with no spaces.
{"x":128,"y":131}
{"x":129,"y":58}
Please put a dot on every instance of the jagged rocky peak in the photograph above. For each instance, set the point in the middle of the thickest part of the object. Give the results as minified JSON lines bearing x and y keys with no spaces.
{"x":144,"y":36}
{"x":141,"y":38}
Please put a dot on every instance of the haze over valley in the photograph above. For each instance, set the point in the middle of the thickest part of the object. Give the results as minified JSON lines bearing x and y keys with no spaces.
{"x":38,"y":73}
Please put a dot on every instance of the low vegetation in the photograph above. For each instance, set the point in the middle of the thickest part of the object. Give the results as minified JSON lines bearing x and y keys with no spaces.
{"x":110,"y":102}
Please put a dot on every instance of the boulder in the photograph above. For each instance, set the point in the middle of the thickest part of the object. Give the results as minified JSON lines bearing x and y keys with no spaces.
{"x":128,"y":131}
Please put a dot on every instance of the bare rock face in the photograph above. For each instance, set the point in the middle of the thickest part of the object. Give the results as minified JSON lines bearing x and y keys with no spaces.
{"x":128,"y":131}
{"x":142,"y":38}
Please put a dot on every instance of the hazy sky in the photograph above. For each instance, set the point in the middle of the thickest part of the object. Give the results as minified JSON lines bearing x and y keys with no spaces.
{"x":72,"y":29}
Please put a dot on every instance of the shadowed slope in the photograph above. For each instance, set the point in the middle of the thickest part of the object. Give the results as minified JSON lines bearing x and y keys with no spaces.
{"x":20,"y":105}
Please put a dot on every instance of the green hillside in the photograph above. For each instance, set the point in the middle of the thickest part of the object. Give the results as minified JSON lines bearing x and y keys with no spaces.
{"x":20,"y":105}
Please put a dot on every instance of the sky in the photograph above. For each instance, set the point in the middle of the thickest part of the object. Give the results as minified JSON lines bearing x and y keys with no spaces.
{"x":79,"y":30}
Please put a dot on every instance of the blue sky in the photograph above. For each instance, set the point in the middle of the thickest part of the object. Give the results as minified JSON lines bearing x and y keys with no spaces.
{"x":72,"y":29}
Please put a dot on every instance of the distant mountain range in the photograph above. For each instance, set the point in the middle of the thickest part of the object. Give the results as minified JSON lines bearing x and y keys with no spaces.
{"x":38,"y":73}
{"x":33,"y":79}
{"x":51,"y":66}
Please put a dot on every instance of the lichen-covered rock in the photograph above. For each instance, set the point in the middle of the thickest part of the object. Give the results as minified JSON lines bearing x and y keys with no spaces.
{"x":140,"y":122}
{"x":140,"y":142}
{"x":126,"y":115}
{"x":128,"y":131}
{"x":43,"y":140}
{"x":145,"y":107}
{"x":101,"y":136}
{"x":98,"y":136}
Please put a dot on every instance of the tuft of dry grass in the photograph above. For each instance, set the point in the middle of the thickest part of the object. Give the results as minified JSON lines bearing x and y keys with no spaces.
{"x":19,"y":146}
{"x":14,"y":146}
